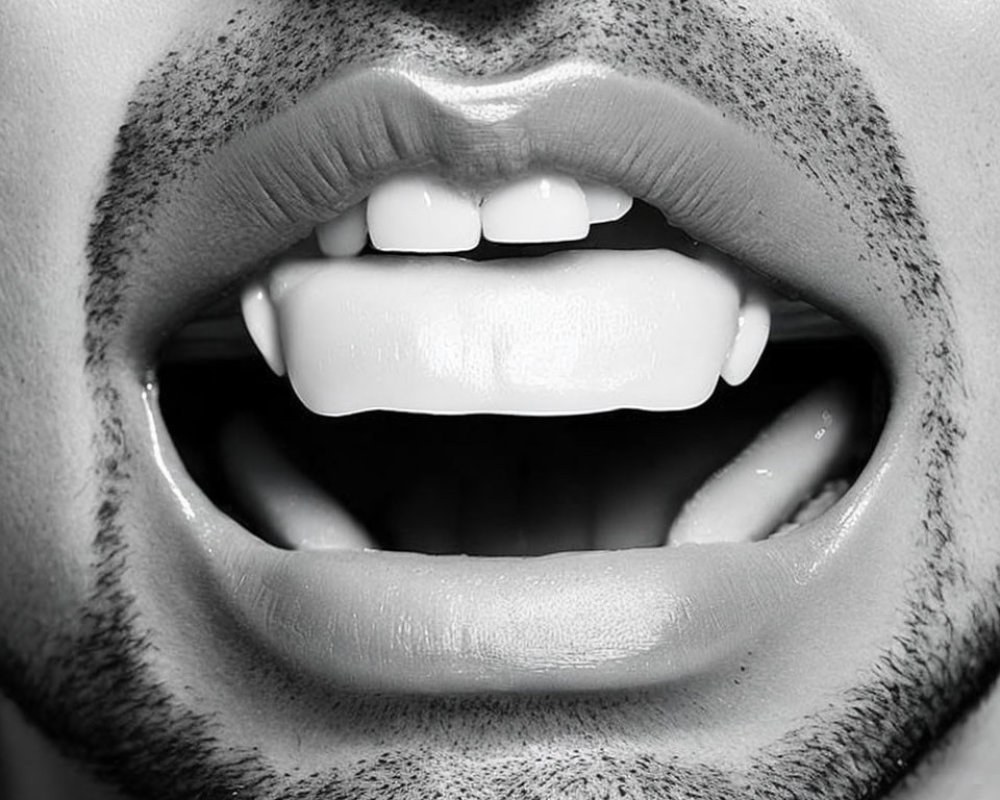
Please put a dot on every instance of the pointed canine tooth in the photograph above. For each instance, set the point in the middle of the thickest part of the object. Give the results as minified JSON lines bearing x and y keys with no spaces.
{"x":420,"y":213}
{"x":537,"y":208}
{"x":346,"y":235}
{"x":259,"y":317}
{"x":605,"y":203}
{"x":576,"y":332}
{"x":751,"y":339}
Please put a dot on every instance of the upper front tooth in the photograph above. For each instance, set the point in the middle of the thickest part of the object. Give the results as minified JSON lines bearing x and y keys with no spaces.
{"x":421,"y":213}
{"x":346,"y":235}
{"x":605,"y":203}
{"x":537,"y":208}
{"x":751,"y":338}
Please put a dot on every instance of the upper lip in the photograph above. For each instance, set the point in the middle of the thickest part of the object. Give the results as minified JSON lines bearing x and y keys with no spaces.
{"x":721,"y":182}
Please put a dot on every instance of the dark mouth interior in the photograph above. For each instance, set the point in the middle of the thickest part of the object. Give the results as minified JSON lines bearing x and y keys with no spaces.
{"x":501,"y":485}
{"x":442,"y":484}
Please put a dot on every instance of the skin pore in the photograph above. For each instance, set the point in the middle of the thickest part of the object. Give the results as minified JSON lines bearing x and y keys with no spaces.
{"x":91,"y":665}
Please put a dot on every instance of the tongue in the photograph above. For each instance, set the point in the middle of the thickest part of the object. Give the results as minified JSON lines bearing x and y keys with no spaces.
{"x":285,"y":507}
{"x":556,"y":497}
{"x":781,"y":469}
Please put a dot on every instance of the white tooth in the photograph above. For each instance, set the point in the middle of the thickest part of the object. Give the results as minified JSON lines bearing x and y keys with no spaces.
{"x":537,"y":208}
{"x":420,"y":213}
{"x":605,"y":203}
{"x":258,"y":316}
{"x":576,"y":332}
{"x":751,"y":338}
{"x":346,"y":235}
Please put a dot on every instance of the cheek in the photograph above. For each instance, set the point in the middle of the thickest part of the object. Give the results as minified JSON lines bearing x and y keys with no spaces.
{"x":936,"y":65}
{"x":938,"y":72}
{"x":67,"y":71}
{"x":928,"y":34}
{"x":46,"y":484}
{"x":67,"y":75}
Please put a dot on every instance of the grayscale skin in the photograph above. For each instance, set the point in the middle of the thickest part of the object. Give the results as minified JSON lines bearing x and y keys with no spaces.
{"x":120,"y":666}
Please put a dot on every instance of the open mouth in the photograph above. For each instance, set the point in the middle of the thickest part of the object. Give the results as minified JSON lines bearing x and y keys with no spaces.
{"x":491,"y":467}
{"x":496,"y":416}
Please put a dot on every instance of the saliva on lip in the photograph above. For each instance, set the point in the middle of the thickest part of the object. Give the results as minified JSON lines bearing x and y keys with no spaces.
{"x":573,"y":332}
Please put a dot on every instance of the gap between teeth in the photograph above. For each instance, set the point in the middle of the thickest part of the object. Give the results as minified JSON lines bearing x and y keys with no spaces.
{"x":573,"y":332}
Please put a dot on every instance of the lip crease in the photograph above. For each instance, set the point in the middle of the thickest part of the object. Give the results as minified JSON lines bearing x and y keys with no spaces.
{"x":405,"y":622}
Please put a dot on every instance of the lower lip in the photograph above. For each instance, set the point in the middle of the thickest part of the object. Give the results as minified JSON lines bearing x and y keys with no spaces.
{"x":374,"y":621}
{"x":371,"y":621}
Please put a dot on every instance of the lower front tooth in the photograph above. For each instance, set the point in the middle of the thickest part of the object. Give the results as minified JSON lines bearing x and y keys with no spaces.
{"x":576,"y":332}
